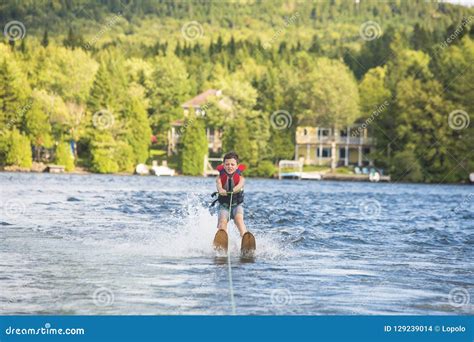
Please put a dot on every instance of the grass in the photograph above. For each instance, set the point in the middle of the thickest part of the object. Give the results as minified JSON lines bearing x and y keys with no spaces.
{"x":157,"y":153}
{"x":314,"y":168}
{"x":320,"y":168}
{"x":344,"y":170}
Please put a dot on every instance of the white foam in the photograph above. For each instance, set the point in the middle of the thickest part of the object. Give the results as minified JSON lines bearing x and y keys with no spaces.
{"x":186,"y":235}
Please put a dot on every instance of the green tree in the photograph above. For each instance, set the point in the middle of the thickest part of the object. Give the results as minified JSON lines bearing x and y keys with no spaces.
{"x":18,"y":150}
{"x":109,"y":90}
{"x":422,"y":127}
{"x":103,"y":152}
{"x":68,"y":73}
{"x":13,"y":93}
{"x":37,"y":125}
{"x":73,"y":39}
{"x":406,"y":167}
{"x":247,"y":130}
{"x":124,"y":156}
{"x":45,"y":40}
{"x":64,"y":156}
{"x":170,"y":90}
{"x":373,"y":92}
{"x":138,"y":130}
{"x":328,"y":96}
{"x":194,"y":148}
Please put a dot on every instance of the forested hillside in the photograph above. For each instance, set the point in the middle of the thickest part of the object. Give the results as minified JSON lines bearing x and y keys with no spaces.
{"x":109,"y":77}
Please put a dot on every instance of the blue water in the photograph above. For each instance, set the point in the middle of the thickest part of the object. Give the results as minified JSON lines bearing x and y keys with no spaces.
{"x":99,"y":244}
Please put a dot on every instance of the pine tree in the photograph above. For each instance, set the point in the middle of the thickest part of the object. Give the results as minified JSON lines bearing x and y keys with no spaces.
{"x":19,"y":150}
{"x":64,"y":156}
{"x":37,"y":125}
{"x":9,"y":98}
{"x":138,"y":130}
{"x":194,"y":148}
{"x":100,"y":95}
{"x":45,"y":40}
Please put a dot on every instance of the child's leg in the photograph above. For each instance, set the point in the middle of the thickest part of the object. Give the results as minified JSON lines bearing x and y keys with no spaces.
{"x":239,"y":220}
{"x":222,"y":219}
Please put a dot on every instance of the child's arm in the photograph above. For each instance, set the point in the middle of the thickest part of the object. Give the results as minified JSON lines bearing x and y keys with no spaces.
{"x":219,"y":187}
{"x":241,"y":184}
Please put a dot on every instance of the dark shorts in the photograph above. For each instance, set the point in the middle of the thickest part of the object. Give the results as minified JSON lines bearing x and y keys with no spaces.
{"x":224,"y":211}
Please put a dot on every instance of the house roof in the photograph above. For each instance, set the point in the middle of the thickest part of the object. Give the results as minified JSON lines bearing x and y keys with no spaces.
{"x":201,"y":99}
{"x":177,"y":123}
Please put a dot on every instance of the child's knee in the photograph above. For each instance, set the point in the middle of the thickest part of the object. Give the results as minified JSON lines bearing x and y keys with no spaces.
{"x":239,"y":219}
{"x":222,"y":224}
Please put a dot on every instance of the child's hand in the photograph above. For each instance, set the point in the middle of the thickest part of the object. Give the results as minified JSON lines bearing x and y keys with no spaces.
{"x":222,"y":192}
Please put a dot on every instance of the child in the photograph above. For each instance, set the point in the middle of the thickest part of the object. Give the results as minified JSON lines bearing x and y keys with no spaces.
{"x":230,"y":179}
{"x":230,"y":184}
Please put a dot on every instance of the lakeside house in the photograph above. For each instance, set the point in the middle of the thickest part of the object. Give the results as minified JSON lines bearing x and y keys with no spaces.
{"x":331,"y":146}
{"x":325,"y":146}
{"x":197,"y":106}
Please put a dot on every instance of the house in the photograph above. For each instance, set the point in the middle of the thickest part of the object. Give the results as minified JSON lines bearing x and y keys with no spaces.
{"x":334,"y":147}
{"x":197,"y":107}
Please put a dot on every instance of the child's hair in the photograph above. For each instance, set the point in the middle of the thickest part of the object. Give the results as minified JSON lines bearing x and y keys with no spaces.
{"x":231,"y":155}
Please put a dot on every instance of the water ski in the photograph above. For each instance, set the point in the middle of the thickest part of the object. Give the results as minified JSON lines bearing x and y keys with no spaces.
{"x":247,"y":249}
{"x":221,"y":241}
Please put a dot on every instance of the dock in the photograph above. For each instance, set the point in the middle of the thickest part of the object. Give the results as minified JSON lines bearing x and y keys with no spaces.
{"x":352,"y":178}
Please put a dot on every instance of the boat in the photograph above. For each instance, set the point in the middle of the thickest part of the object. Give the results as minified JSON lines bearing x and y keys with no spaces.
{"x":162,"y":170}
{"x":311,"y":175}
{"x":142,"y":169}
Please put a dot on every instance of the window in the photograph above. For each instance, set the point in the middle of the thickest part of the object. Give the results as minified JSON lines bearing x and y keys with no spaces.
{"x":366,"y":150}
{"x":342,"y":152}
{"x":323,"y":132}
{"x":326,"y":152}
{"x":343,"y":132}
{"x":305,"y":132}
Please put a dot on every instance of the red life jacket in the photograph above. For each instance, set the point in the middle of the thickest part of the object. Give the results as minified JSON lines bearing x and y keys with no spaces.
{"x":224,"y":176}
{"x":229,"y":182}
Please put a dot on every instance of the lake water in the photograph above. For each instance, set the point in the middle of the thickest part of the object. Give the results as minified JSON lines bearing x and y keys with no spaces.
{"x":100,"y":244}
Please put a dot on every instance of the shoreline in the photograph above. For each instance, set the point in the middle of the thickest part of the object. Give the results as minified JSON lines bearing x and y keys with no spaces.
{"x":331,"y":178}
